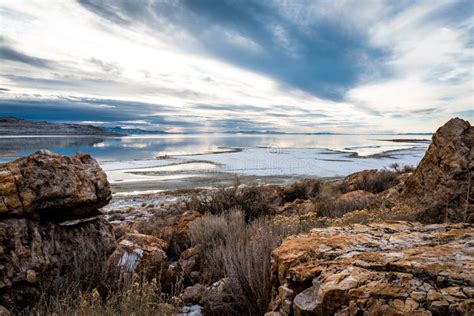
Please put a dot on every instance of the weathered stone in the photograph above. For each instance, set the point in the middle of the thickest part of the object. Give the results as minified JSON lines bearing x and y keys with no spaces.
{"x":189,"y":260}
{"x":46,"y":228}
{"x":139,"y":253}
{"x":437,"y":191}
{"x":194,"y":294}
{"x":383,"y":268}
{"x":35,"y":253}
{"x":46,"y":183}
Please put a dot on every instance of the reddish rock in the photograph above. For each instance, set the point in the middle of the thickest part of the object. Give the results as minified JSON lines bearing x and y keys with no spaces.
{"x":440,"y":189}
{"x":386,"y":268}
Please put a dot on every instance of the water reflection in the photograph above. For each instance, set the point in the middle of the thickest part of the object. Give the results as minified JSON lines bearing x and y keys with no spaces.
{"x":148,"y":147}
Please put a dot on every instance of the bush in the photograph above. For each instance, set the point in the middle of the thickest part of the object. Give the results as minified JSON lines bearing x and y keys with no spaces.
{"x":249,"y":199}
{"x":305,"y":189}
{"x":377,"y":182}
{"x":240,"y":252}
{"x":398,"y":169}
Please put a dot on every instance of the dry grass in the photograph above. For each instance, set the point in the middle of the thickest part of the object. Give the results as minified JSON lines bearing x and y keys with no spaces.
{"x":136,"y":296}
{"x":89,"y":285}
{"x":329,"y":203}
{"x":241,"y":252}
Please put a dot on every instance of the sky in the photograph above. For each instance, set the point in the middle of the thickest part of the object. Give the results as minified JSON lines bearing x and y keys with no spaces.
{"x":239,"y":65}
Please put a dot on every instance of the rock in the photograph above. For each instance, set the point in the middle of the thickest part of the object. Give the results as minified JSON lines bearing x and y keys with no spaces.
{"x":45,"y":184}
{"x":140,"y":253}
{"x":189,"y":260}
{"x":36,"y":252}
{"x":182,"y":226}
{"x":194,"y":294}
{"x":51,"y":231}
{"x":385,"y":268}
{"x":437,"y":191}
{"x":121,"y":229}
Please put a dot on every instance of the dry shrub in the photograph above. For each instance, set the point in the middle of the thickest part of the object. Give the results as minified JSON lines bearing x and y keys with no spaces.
{"x":304,"y":189}
{"x":135,"y":296}
{"x":377,"y":182}
{"x":408,"y":168}
{"x":249,"y":199}
{"x":240,"y":252}
{"x":398,"y":169}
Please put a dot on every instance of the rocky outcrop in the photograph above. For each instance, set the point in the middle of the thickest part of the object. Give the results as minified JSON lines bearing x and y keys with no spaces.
{"x":394,"y":268}
{"x":440,"y":189}
{"x":51,"y":231}
{"x":48,"y":184}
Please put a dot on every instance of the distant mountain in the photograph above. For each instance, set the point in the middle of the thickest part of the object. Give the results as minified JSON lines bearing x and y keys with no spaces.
{"x":14,"y":126}
{"x":132,"y":131}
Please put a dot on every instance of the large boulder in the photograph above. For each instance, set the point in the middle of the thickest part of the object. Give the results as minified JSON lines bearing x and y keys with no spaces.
{"x":49,"y":184}
{"x":34,"y":255}
{"x":440,"y":189}
{"x":51,"y":230}
{"x":394,"y":268}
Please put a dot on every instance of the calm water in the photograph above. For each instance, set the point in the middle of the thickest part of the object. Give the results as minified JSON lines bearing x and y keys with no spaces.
{"x":155,"y":163}
{"x":149,"y":147}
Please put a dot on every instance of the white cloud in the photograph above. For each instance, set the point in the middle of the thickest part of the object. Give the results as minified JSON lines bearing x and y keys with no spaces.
{"x":429,"y":66}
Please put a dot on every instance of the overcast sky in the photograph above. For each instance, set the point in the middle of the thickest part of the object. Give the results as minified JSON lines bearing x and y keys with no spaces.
{"x":290,"y":66}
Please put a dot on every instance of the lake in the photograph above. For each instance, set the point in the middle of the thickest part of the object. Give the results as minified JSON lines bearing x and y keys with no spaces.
{"x":148,"y":162}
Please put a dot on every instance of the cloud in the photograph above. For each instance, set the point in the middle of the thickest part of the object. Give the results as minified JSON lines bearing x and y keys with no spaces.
{"x":261,"y":65}
{"x":9,"y":54}
{"x":322,"y":59}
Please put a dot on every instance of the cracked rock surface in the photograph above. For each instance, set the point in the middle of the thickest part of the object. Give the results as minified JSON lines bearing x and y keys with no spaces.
{"x":391,"y":268}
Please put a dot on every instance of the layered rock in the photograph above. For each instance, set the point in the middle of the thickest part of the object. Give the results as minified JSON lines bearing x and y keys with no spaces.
{"x":440,"y":189}
{"x":51,"y":230}
{"x":391,"y":268}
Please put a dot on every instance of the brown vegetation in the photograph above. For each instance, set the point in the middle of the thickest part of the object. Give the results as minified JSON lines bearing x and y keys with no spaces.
{"x":249,"y":199}
{"x":240,"y":252}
